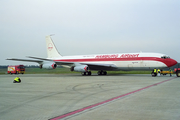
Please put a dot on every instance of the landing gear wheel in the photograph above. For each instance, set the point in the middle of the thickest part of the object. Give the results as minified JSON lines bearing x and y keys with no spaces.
{"x":89,"y":73}
{"x":83,"y":73}
{"x":99,"y":73}
{"x":86,"y":73}
{"x":102,"y":73}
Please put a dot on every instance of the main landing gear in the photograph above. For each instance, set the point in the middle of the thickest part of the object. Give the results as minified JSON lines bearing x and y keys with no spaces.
{"x":102,"y":72}
{"x":86,"y":73}
{"x":89,"y":73}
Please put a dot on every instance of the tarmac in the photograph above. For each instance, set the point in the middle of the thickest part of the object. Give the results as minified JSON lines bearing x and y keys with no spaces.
{"x":76,"y":97}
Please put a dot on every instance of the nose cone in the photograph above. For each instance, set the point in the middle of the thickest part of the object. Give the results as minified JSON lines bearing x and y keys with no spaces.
{"x":171,"y":62}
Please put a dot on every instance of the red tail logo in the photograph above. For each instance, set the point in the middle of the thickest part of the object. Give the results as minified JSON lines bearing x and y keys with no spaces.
{"x":50,"y":47}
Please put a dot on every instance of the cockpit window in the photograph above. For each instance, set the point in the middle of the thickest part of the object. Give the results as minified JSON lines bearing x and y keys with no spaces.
{"x":165,"y":57}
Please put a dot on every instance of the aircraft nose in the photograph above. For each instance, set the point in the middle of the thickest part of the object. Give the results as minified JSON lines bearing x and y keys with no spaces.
{"x":172,"y":62}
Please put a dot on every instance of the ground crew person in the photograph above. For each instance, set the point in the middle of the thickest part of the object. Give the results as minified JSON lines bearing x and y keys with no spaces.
{"x":17,"y":80}
{"x":170,"y":72}
{"x":159,"y":72}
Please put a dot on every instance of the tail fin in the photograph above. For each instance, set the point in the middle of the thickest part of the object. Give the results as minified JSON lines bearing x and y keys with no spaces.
{"x":51,"y":48}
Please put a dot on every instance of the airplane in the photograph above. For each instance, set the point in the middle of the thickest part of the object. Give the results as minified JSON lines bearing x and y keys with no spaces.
{"x":101,"y":62}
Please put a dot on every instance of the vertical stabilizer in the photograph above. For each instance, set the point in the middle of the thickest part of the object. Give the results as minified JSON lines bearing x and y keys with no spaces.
{"x":51,"y":48}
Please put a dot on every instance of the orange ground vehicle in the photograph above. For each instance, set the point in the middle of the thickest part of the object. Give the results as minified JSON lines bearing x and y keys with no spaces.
{"x":16,"y":69}
{"x":176,"y":71}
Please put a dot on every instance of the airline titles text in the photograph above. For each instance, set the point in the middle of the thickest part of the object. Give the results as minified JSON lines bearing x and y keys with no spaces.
{"x":117,"y":56}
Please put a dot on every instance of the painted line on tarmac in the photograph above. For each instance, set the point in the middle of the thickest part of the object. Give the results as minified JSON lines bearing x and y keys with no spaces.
{"x":85,"y":109}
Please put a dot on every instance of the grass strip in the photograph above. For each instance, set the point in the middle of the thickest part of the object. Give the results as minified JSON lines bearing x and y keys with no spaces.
{"x":67,"y":71}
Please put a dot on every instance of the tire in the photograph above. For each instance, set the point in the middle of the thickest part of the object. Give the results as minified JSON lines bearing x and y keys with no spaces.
{"x":89,"y":73}
{"x":99,"y":72}
{"x":83,"y":73}
{"x":104,"y":73}
{"x":178,"y":73}
{"x":154,"y":74}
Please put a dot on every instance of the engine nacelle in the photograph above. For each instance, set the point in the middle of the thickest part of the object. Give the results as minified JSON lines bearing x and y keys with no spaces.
{"x":48,"y":65}
{"x":80,"y":68}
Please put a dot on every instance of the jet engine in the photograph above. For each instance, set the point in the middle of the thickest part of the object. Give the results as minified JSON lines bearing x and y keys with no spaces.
{"x":50,"y":65}
{"x":80,"y":68}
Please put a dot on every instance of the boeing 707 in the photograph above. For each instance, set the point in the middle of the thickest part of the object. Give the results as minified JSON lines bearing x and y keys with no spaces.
{"x":101,"y":62}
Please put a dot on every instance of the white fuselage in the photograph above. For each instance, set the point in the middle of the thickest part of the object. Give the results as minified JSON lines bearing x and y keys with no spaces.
{"x":124,"y":61}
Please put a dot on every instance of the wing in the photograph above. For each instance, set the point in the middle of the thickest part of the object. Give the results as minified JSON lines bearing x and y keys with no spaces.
{"x":92,"y":66}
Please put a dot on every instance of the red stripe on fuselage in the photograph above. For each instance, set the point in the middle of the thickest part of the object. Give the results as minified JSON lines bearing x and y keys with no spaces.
{"x":168,"y":62}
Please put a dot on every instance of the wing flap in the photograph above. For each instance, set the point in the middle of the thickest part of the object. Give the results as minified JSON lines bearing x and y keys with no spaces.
{"x":40,"y":58}
{"x":26,"y":60}
{"x":96,"y":66}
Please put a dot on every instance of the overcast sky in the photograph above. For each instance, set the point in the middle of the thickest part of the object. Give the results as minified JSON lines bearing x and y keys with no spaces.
{"x":88,"y":27}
